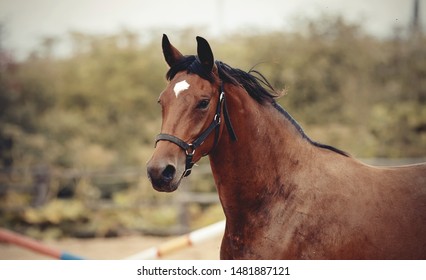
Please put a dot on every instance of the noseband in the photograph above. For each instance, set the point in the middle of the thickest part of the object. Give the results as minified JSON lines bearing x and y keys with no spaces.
{"x":189,"y":148}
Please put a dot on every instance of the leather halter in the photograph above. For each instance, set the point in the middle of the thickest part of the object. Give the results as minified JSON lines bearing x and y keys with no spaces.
{"x":189,"y":148}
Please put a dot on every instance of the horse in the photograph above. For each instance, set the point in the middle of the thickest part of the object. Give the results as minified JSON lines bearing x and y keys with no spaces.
{"x":284,"y":195}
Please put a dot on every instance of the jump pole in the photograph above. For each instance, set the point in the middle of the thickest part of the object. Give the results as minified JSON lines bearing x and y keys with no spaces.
{"x":33,"y":245}
{"x":187,"y":240}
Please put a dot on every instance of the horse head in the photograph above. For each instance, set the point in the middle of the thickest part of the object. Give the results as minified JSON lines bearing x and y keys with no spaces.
{"x":191,"y":112}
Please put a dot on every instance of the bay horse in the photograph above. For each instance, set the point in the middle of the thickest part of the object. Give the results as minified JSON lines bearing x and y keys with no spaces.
{"x":284,"y":196}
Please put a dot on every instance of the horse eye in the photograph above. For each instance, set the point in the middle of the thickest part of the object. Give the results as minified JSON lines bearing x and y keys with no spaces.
{"x":203,"y":104}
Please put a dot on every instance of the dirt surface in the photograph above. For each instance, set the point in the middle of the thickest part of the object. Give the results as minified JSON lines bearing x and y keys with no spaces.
{"x":114,"y":249}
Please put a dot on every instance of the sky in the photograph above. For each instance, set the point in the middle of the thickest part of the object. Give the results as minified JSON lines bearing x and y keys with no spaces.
{"x":25,"y":22}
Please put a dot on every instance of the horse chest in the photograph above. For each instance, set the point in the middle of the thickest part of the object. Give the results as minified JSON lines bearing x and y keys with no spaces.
{"x":267,"y":234}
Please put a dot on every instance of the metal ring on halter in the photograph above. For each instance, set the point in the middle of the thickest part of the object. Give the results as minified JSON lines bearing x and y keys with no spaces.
{"x":190,"y":151}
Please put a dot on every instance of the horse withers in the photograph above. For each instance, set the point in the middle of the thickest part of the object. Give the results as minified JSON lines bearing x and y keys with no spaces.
{"x":284,"y":195}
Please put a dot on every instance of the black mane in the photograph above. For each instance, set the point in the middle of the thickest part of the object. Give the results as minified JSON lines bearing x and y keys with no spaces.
{"x":257,"y":87}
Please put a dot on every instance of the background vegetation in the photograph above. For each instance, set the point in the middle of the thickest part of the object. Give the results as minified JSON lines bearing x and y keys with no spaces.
{"x":95,"y":111}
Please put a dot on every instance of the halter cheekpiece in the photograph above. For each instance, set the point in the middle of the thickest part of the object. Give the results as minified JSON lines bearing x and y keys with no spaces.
{"x":189,"y":148}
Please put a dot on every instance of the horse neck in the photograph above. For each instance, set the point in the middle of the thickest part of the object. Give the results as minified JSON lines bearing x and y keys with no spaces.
{"x":263,"y":160}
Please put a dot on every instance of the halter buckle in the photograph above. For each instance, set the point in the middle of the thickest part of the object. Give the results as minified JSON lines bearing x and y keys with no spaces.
{"x":217,"y":119}
{"x":221,"y":96}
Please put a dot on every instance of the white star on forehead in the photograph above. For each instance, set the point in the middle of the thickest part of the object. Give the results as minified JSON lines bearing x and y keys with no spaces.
{"x":179,"y":87}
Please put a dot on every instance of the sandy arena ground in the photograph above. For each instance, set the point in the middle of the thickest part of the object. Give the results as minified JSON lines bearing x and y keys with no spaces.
{"x":114,"y":249}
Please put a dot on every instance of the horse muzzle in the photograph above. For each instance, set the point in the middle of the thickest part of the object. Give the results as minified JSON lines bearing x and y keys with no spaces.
{"x":164,"y":174}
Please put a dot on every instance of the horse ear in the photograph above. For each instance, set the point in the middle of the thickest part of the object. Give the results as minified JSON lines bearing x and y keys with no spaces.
{"x":205,"y":54}
{"x":171,"y":54}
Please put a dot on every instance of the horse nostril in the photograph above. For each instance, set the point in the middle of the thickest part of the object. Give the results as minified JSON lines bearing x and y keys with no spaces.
{"x":169,"y":173}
